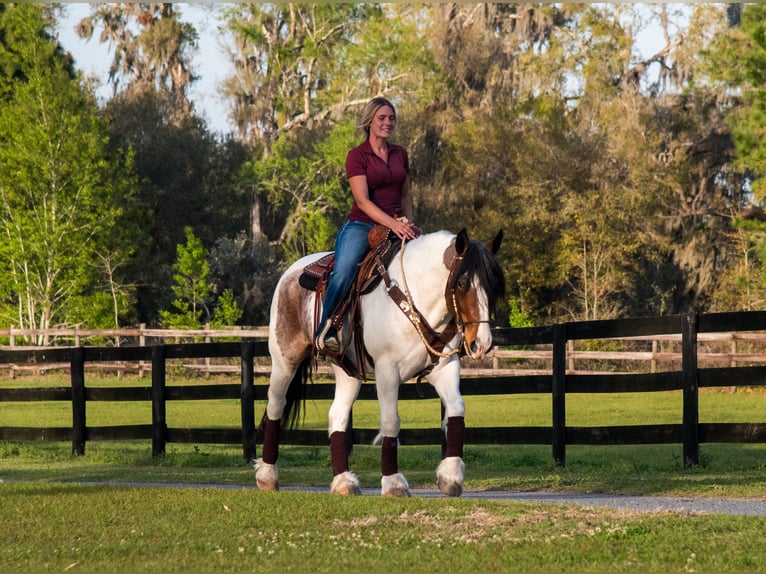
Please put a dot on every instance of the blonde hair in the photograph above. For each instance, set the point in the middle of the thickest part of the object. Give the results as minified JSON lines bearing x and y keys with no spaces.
{"x":369,"y":111}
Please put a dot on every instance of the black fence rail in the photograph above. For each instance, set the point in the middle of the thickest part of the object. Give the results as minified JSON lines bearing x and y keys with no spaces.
{"x":689,"y":432}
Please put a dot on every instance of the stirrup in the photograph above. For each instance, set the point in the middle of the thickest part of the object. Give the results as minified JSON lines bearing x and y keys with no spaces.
{"x":319,"y":340}
{"x":332,"y":343}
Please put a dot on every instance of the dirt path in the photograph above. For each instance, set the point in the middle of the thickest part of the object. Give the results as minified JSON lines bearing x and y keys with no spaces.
{"x":688,"y":504}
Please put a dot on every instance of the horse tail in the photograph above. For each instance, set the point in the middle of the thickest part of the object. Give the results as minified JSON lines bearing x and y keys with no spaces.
{"x":294,"y":412}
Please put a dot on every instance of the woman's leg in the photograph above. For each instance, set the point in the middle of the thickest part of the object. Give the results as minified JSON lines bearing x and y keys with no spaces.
{"x":350,"y":248}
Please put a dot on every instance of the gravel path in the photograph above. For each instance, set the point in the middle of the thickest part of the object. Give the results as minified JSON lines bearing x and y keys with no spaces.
{"x":686,"y":504}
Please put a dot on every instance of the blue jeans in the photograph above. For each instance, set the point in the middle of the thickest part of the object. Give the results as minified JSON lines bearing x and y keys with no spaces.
{"x":351,"y":246}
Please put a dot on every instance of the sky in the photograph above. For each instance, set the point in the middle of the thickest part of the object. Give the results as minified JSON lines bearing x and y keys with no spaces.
{"x":211,"y":62}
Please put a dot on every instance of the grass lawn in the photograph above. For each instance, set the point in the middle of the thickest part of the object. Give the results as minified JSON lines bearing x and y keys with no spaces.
{"x":56,"y":519}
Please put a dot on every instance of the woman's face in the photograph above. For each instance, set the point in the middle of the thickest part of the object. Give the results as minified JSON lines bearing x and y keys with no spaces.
{"x":383,"y":122}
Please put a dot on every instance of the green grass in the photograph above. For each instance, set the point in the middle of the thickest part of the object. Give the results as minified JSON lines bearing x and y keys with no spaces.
{"x":724,"y":469}
{"x":56,"y":516}
{"x":54,"y":527}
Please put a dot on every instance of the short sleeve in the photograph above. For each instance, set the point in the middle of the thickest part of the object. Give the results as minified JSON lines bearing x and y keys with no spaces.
{"x":356,"y":163}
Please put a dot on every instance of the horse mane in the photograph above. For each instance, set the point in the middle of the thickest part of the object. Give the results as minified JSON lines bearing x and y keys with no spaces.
{"x":478,"y":261}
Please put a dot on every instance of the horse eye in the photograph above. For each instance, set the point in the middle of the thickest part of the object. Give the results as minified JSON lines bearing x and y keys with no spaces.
{"x":462,"y":283}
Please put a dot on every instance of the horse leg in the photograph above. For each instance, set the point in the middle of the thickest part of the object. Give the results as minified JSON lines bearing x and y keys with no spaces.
{"x":266,"y":471}
{"x":392,"y":482}
{"x":283,"y":374}
{"x":346,"y":392}
{"x":451,"y":470}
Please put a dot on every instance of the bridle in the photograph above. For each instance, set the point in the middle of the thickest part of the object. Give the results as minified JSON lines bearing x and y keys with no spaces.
{"x":434,"y":342}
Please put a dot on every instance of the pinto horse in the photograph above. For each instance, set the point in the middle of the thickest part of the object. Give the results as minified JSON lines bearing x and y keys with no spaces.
{"x":447,"y":286}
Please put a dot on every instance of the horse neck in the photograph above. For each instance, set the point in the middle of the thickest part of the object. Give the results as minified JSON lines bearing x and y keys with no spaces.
{"x":425,"y":276}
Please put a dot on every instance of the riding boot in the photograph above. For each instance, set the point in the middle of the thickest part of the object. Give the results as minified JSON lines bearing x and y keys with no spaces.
{"x":328,"y":338}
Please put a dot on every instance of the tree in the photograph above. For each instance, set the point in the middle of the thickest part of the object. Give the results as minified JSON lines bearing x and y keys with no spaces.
{"x":64,"y":199}
{"x":250,"y":270}
{"x":190,"y":286}
{"x":739,"y":61}
{"x":286,"y":65}
{"x":743,"y":284}
{"x":154,"y":60}
{"x":196,"y":303}
{"x":299,"y":70}
{"x":188,"y":179}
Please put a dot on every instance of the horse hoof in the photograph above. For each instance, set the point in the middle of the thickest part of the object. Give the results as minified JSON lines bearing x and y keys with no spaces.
{"x":398,"y":492}
{"x":449,"y":476}
{"x":348,"y":490}
{"x":267,"y":486}
{"x":266,"y":476}
{"x":395,"y":485}
{"x":450,"y":488}
{"x":346,"y":484}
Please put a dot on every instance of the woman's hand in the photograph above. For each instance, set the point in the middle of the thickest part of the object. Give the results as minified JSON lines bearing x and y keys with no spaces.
{"x":403,"y":229}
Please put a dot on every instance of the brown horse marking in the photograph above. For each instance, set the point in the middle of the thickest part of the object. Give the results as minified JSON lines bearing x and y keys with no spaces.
{"x":469,"y":309}
{"x":467,"y":299}
{"x":292,"y":303}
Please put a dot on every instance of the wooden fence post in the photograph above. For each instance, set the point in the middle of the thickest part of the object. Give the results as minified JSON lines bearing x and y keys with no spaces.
{"x":558,"y":388}
{"x":247,"y":400}
{"x":690,"y":390}
{"x":159,"y":419}
{"x":141,"y":343}
{"x":77,"y":378}
{"x":12,"y":343}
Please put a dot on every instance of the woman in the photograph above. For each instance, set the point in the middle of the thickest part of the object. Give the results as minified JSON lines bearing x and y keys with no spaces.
{"x":378,"y":173}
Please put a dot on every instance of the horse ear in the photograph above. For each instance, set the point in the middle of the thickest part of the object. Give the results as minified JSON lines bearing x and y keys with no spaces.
{"x":494,"y":245}
{"x":461,"y":242}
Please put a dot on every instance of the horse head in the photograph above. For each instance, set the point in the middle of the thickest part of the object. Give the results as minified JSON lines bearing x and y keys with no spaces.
{"x":476,"y":283}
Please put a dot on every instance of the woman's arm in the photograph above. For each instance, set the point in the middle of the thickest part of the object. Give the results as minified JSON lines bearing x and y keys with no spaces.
{"x":361,"y":194}
{"x":407,"y":201}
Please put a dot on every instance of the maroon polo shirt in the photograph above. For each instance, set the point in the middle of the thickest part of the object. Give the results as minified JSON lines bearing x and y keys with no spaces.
{"x":384,"y":181}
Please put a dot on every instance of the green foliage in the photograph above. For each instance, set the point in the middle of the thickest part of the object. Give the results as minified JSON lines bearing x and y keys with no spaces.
{"x":738,"y":60}
{"x":252,"y":268}
{"x":303,"y":187}
{"x":66,"y":201}
{"x":613,"y":175}
{"x":97,"y":310}
{"x":747,"y":122}
{"x":187,"y":178}
{"x":227,"y":312}
{"x":195,"y":303}
{"x":517,"y":317}
{"x":190,"y":285}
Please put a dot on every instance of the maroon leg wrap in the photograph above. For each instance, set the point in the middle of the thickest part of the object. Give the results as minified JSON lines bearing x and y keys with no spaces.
{"x":338,"y":453}
{"x":455,"y":436}
{"x":388,"y":456}
{"x":270,"y":452}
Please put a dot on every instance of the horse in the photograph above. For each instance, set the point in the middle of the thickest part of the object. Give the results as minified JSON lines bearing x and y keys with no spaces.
{"x":447,"y":286}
